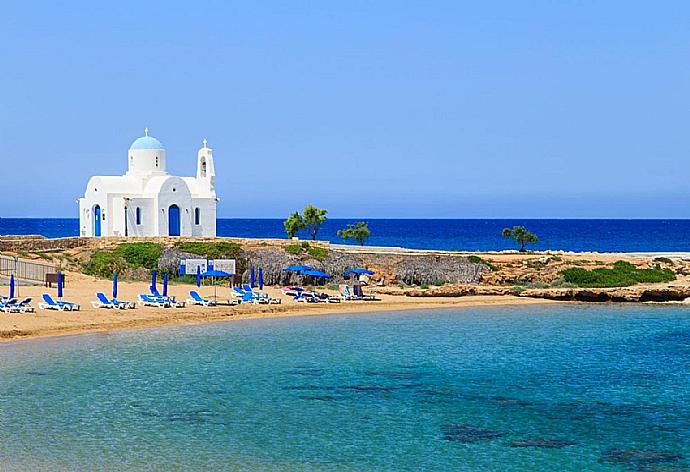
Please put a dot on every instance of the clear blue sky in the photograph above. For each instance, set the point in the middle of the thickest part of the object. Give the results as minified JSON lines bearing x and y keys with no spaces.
{"x":370,"y":109}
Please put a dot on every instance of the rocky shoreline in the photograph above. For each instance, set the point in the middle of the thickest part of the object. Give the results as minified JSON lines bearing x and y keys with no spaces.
{"x":635,"y":294}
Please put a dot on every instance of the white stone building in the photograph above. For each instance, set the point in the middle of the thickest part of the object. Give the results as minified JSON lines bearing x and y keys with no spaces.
{"x":147,"y":201}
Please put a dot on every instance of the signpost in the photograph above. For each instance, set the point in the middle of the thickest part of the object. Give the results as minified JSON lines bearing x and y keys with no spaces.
{"x":189,"y":266}
{"x":226,"y":265}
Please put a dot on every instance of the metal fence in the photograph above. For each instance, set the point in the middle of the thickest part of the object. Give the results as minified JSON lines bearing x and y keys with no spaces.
{"x":27,"y":270}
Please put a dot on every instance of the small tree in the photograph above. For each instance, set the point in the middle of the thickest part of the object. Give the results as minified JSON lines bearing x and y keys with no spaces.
{"x":521,"y":235}
{"x":359,"y":232}
{"x":294,"y":224}
{"x":313,"y":218}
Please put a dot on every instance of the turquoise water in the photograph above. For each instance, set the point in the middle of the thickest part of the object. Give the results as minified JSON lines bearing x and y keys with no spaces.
{"x":606,"y":387}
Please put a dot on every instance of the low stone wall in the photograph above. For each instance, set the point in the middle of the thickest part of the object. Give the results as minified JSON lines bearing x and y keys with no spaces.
{"x":30,"y":244}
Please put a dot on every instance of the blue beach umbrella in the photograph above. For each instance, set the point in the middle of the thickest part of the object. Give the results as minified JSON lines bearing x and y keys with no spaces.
{"x":12,"y":286}
{"x":216,"y":273}
{"x":114,"y":286}
{"x":59,"y":285}
{"x":198,"y":276}
{"x":358,"y":272}
{"x":154,"y":272}
{"x":251,"y":276}
{"x":317,"y":274}
{"x":261,"y":278}
{"x":297,"y":268}
{"x":213,"y":274}
{"x":165,"y":284}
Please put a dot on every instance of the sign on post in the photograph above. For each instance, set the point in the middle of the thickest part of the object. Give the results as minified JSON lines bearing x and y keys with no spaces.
{"x":226,"y":265}
{"x":189,"y":266}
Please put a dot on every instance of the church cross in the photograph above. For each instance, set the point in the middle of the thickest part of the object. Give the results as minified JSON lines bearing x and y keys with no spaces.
{"x":146,"y":131}
{"x":205,"y":142}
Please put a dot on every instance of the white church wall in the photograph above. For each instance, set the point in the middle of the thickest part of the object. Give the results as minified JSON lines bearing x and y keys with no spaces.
{"x":146,"y":161}
{"x":174,"y":191}
{"x":148,"y":225}
{"x":207,"y":217}
{"x":116,"y":216}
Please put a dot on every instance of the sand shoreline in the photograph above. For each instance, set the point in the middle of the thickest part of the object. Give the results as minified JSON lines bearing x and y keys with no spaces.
{"x":48,"y":324}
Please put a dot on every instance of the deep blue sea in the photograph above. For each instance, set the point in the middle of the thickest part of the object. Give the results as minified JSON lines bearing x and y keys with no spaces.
{"x":468,"y":235}
{"x":543,"y":388}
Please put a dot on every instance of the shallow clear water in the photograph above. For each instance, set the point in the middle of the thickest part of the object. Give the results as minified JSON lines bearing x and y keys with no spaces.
{"x":428,"y":390}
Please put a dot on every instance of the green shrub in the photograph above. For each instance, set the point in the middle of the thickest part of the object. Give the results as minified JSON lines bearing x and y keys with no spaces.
{"x":105,"y":264}
{"x":305,"y":245}
{"x":556,"y":258}
{"x":561,"y":283}
{"x":219,"y":250}
{"x":294,"y":249}
{"x":318,"y":253}
{"x":424,"y":286}
{"x":478,"y":260}
{"x":184,"y":279}
{"x":623,"y":274}
{"x":517,"y":289}
{"x":140,"y":254}
{"x":439,"y":282}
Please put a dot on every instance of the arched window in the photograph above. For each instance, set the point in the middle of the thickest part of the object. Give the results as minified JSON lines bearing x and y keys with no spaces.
{"x":138,"y":215}
{"x":203,"y":168}
{"x":156,"y":161}
{"x":197,"y":216}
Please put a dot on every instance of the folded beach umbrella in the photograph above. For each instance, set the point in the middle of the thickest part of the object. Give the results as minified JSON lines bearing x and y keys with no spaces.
{"x":165,"y":284}
{"x":114,"y":286}
{"x":11,"y":285}
{"x":198,"y":276}
{"x":358,"y":272}
{"x":251,"y":276}
{"x":153,"y":280}
{"x":297,"y":268}
{"x":261,"y":278}
{"x":59,"y":285}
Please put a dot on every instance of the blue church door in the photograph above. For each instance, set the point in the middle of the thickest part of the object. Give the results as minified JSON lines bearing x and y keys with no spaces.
{"x":174,"y":220}
{"x":97,"y":220}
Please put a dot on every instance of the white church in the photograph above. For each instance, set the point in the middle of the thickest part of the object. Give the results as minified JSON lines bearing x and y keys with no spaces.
{"x":147,"y":201}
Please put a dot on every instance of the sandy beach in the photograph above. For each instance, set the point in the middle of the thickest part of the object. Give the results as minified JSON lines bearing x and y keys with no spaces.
{"x":81,"y":289}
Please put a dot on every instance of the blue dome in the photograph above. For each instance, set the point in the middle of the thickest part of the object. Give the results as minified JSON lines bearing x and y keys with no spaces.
{"x":146,"y":142}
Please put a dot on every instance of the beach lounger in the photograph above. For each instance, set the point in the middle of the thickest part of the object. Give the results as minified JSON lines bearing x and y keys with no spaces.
{"x":25,"y":306}
{"x":151,"y":300}
{"x":102,"y":302}
{"x":245,"y":296}
{"x":358,"y":295}
{"x":171,"y":300}
{"x":122,"y":305}
{"x":292,"y":291}
{"x":49,"y":304}
{"x":198,"y":299}
{"x":9,"y":305}
{"x":262,"y":296}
